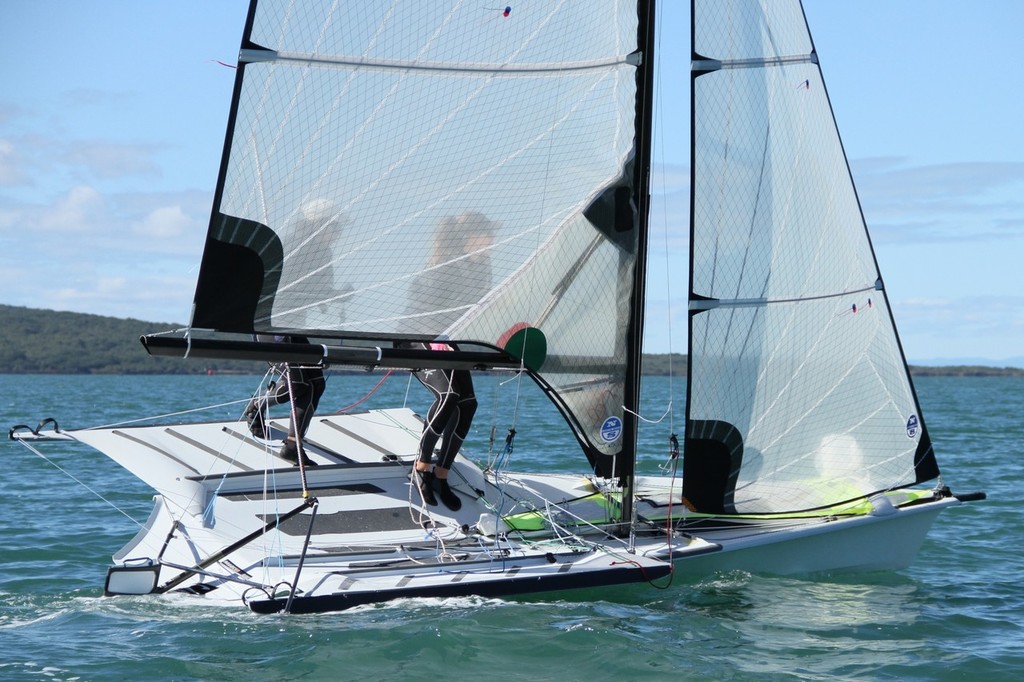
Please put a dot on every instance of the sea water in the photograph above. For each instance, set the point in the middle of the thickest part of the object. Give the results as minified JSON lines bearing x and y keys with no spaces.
{"x":956,"y":613}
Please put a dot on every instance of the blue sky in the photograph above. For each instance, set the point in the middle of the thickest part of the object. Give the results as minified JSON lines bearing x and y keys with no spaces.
{"x":112,"y":118}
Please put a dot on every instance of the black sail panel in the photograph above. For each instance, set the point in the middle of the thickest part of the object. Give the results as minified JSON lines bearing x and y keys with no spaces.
{"x":238,"y":277}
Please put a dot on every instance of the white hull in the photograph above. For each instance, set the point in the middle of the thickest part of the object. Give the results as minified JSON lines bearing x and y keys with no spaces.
{"x":240,"y":524}
{"x":854,"y":545}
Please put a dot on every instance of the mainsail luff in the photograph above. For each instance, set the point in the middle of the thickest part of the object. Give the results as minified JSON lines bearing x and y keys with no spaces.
{"x":798,"y":394}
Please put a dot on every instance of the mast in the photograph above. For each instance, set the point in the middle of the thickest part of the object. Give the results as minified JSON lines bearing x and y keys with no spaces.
{"x":642,"y":169}
{"x":689,"y":250}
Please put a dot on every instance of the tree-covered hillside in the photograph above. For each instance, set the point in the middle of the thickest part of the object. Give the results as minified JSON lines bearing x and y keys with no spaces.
{"x":49,"y":342}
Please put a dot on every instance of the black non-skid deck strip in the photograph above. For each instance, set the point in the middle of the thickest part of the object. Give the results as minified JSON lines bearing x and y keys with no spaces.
{"x":279,"y":435}
{"x":296,"y":492}
{"x":391,"y":469}
{"x":154,"y":448}
{"x":321,"y":449}
{"x":207,"y":449}
{"x":310,"y":445}
{"x":501,"y":587}
{"x":355,"y":436}
{"x":262,"y":444}
{"x":359,"y":521}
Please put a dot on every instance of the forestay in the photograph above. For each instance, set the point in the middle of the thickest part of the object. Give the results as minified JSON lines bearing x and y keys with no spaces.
{"x":799,"y":395}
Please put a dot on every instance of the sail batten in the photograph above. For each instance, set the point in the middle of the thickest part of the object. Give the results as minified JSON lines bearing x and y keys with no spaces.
{"x":253,"y":55}
{"x":705,"y":65}
{"x":699,"y":304}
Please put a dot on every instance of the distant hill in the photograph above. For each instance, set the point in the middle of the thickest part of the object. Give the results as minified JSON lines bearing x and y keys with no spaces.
{"x":34,"y":341}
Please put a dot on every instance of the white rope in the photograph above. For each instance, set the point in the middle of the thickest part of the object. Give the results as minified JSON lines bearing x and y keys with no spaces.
{"x":425,"y":518}
{"x":668,"y":412}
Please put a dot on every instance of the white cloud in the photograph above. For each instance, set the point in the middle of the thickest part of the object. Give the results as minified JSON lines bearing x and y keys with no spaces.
{"x":99,"y":288}
{"x":160,"y":299}
{"x":165,"y":222}
{"x":78,"y":211}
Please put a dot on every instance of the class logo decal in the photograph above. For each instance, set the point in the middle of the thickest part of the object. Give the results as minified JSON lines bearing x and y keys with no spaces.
{"x":912,"y":426}
{"x":611,"y":429}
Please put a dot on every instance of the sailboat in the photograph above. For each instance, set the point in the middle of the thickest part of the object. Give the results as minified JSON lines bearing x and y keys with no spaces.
{"x":460,"y":187}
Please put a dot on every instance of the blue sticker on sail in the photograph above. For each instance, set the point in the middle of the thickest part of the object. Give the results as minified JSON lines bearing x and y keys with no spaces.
{"x":912,"y":426}
{"x":611,"y":429}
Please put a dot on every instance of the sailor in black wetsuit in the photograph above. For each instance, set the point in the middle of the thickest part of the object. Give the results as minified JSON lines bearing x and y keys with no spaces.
{"x":457,"y":276}
{"x":448,"y":420}
{"x":307,"y":385}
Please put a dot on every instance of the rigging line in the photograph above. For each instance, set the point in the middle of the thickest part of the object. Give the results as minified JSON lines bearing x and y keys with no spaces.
{"x":270,"y":378}
{"x":408,"y":390}
{"x":209,"y":508}
{"x":425,"y":519}
{"x":494,"y":425}
{"x":275,"y":542}
{"x":669,"y":526}
{"x":667,"y":413}
{"x":168,"y":415}
{"x":367,"y":396}
{"x":271,"y":502}
{"x":502,"y":459}
{"x":78,"y":481}
{"x":296,"y":427}
{"x":548,"y":505}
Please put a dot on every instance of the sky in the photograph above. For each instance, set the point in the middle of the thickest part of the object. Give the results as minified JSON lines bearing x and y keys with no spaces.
{"x":112,"y":118}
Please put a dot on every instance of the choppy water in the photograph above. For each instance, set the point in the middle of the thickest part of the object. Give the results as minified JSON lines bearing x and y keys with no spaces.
{"x":957,"y":613}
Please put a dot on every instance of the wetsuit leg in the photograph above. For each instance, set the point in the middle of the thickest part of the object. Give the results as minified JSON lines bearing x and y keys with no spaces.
{"x":457,"y":428}
{"x":441,"y":384}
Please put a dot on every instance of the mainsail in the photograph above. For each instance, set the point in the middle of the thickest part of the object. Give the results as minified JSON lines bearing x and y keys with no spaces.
{"x":799,"y":394}
{"x":442,"y":170}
